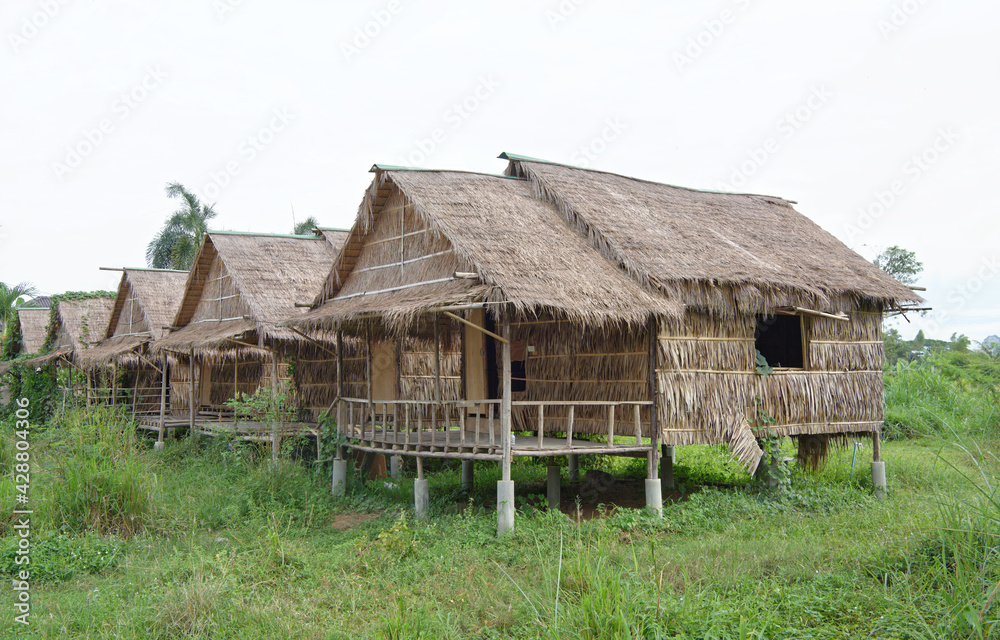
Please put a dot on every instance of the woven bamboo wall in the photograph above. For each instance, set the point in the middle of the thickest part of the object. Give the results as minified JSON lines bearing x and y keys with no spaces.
{"x":237,"y":376}
{"x":131,"y":319}
{"x":708,"y":382}
{"x":400,"y":250}
{"x":576,"y":364}
{"x":219,"y":299}
{"x":180,"y":387}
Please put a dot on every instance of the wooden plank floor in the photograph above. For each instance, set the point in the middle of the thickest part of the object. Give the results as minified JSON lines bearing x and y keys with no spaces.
{"x":451,"y":441}
{"x":257,"y":431}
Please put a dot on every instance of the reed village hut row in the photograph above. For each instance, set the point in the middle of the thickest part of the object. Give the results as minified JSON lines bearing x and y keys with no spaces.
{"x":224,"y":342}
{"x":562,"y":301}
{"x":145,"y":306}
{"x":76,"y":324}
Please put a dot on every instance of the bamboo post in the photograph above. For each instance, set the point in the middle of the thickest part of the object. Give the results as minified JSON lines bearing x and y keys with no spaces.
{"x":191,"y":400}
{"x":437,"y":361}
{"x":114,"y":384}
{"x":371,"y":387}
{"x":541,"y":424}
{"x":611,"y":425}
{"x":654,"y":424}
{"x":163,"y":400}
{"x":275,"y":418}
{"x":505,"y":406}
{"x":569,"y":427}
{"x":638,"y":424}
{"x":398,"y":391}
{"x":878,"y":466}
{"x":341,"y":413}
{"x":654,"y":490}
{"x":86,"y":375}
{"x":505,"y":486}
{"x":135,"y":391}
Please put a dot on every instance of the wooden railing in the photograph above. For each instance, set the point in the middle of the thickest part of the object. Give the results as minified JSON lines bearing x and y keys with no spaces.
{"x":411,"y":425}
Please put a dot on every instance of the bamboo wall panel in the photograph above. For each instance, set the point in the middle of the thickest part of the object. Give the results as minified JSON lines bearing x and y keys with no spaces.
{"x":709,"y":385}
{"x":570,"y":363}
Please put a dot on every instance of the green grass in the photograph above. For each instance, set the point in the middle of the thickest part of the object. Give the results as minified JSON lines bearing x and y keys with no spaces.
{"x":208,"y":540}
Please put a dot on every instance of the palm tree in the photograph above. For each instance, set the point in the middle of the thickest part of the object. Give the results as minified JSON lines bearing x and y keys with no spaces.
{"x":305,"y":227}
{"x":10,"y":298}
{"x":176,"y":244}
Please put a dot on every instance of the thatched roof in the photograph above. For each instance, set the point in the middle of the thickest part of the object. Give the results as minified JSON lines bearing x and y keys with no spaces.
{"x":146,"y":304}
{"x":519,"y":247}
{"x":336,"y":237}
{"x":729,"y":253}
{"x":159,"y":294}
{"x":265,"y":275}
{"x":33,"y":322}
{"x":76,"y":325}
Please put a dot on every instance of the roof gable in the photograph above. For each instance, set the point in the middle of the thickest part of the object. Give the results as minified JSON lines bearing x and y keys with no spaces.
{"x":147,"y":302}
{"x":516,"y":245}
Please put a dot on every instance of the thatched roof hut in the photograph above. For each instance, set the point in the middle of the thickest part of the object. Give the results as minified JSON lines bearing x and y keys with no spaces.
{"x":567,"y":300}
{"x":145,"y":306}
{"x":76,"y":324}
{"x":581,"y":258}
{"x":240,"y":286}
{"x":33,"y":321}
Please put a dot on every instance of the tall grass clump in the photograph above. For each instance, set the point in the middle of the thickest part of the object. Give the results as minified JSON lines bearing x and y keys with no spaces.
{"x":100,"y":480}
{"x":963,"y":561}
{"x":944,"y":394}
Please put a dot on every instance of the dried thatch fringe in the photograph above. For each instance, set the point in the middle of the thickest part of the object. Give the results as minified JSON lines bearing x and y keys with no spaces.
{"x":743,"y":445}
{"x":813,"y":451}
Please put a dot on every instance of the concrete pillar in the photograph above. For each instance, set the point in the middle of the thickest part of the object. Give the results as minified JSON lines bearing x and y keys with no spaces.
{"x":339,"y":476}
{"x":505,"y":506}
{"x":654,"y":496}
{"x":554,"y":489}
{"x":395,"y":467}
{"x":158,"y":445}
{"x":421,"y":497}
{"x":468,"y":476}
{"x":667,"y":468}
{"x":878,"y":478}
{"x":574,"y":468}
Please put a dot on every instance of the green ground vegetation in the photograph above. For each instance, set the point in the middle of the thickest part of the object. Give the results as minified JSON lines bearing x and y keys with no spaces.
{"x":210,"y":540}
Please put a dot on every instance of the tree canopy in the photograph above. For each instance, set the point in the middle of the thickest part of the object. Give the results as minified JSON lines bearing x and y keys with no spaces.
{"x":305,"y":227}
{"x":10,"y":297}
{"x":900,"y":264}
{"x":175,"y":245}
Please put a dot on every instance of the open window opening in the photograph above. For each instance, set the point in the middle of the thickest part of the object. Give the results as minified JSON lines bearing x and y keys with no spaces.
{"x":779,"y":338}
{"x":518,"y":366}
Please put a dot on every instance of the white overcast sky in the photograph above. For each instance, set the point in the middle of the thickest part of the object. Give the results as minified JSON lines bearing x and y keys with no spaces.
{"x":889,"y":107}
